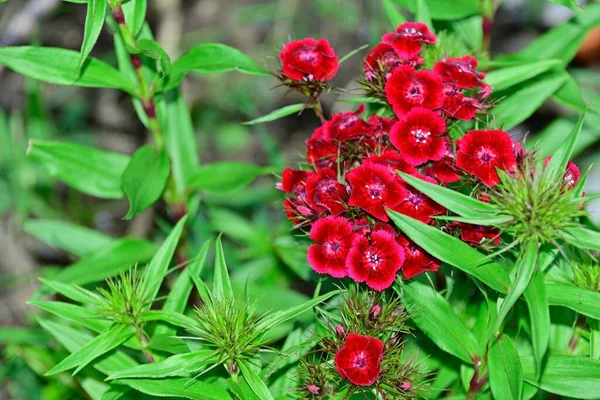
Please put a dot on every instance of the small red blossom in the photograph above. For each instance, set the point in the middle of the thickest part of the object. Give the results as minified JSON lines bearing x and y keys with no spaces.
{"x":407,"y":39}
{"x":418,"y":136}
{"x":460,"y":72}
{"x":457,"y":105}
{"x":309,"y":59}
{"x":477,"y":234}
{"x":417,"y":260}
{"x":445,"y":169}
{"x":324,"y":192}
{"x":381,"y":125}
{"x":314,"y":389}
{"x":346,"y":126}
{"x":320,"y":153}
{"x":294,"y":180}
{"x":376,"y":261}
{"x":374,"y":187}
{"x":481,"y":152}
{"x":381,"y":59}
{"x":407,"y":88}
{"x":572,"y":173}
{"x":334,"y":238}
{"x":359,"y":359}
{"x":418,"y":206}
{"x":393,"y":160}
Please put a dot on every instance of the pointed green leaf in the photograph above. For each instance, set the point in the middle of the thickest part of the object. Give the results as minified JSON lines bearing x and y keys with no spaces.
{"x":393,"y":14}
{"x":352,"y":53}
{"x":14,"y":335}
{"x":422,"y":13}
{"x":71,"y":312}
{"x":150,"y":48}
{"x":444,"y":9}
{"x":171,"y":317}
{"x":578,"y":299}
{"x":558,"y":163}
{"x":177,"y":365}
{"x":539,"y":315}
{"x":145,"y":178}
{"x":462,"y":256}
{"x":73,"y":292}
{"x":277,"y":114}
{"x":504,"y":78}
{"x":254,"y":381}
{"x":134,"y":12}
{"x":570,"y":95}
{"x":177,"y":387}
{"x":506,"y":373}
{"x":221,"y":282}
{"x":583,"y":238}
{"x":94,"y":21}
{"x":469,"y":30}
{"x":89,"y":170}
{"x":225,"y":176}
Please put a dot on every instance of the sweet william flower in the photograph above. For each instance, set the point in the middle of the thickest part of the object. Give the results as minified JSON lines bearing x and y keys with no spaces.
{"x":407,"y":39}
{"x":347,"y":126}
{"x":320,"y":153}
{"x":407,"y":89}
{"x":445,"y":169}
{"x":416,"y":260}
{"x":481,"y":152}
{"x":359,"y":359}
{"x":460,"y":72}
{"x":375,"y":261}
{"x":418,"y":136}
{"x":393,"y":161}
{"x":381,"y":60}
{"x":324,"y":192}
{"x":309,"y":59}
{"x":477,"y":234}
{"x":293,"y":180}
{"x":572,"y":173}
{"x":418,"y":206}
{"x":374,"y":187}
{"x":333,"y":237}
{"x":457,"y":105}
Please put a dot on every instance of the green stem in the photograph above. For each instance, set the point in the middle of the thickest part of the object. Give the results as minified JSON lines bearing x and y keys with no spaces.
{"x":142,"y":339}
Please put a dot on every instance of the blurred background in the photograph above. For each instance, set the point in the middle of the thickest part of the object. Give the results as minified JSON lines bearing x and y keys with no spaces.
{"x":260,"y":249}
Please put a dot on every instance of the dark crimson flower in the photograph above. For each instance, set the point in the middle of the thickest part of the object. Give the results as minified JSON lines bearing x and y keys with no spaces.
{"x":374,"y":187}
{"x":294,"y":180}
{"x":417,"y":260}
{"x":445,"y":169}
{"x":324,"y":192}
{"x":407,"y":39}
{"x":477,"y":234}
{"x":320,"y":152}
{"x":418,"y":206}
{"x":334,"y":238}
{"x":346,"y":126}
{"x":418,"y":136}
{"x":572,"y":174}
{"x":309,"y":59}
{"x":407,"y":88}
{"x":359,"y":359}
{"x":382,"y":59}
{"x":361,"y":226}
{"x":481,"y":152}
{"x":381,"y":125}
{"x":376,"y":261}
{"x":460,"y":72}
{"x":457,"y":105}
{"x":393,"y":160}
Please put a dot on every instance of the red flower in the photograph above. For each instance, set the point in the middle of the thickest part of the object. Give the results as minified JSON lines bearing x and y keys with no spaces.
{"x":324,"y":192}
{"x":297,"y":210}
{"x":407,"y":39}
{"x":418,"y":136}
{"x":361,"y":226}
{"x":407,"y":88}
{"x":294,"y":180}
{"x":393,"y":160}
{"x":375,"y":262}
{"x":334,"y":237}
{"x":476,"y":234}
{"x":457,"y":105}
{"x":374,"y":187}
{"x":417,"y":260}
{"x":309,"y":59}
{"x":381,"y":125}
{"x":460,"y":72}
{"x":359,"y":359}
{"x":320,"y":153}
{"x":383,"y":59}
{"x":481,"y":152}
{"x":572,"y":174}
{"x":445,"y":169}
{"x":346,"y":126}
{"x":418,"y":206}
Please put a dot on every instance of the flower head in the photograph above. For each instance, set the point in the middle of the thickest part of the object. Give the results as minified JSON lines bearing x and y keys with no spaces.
{"x":407,"y":89}
{"x":481,"y":152}
{"x":460,"y":72}
{"x":320,"y":153}
{"x":407,"y":39}
{"x":309,"y":59}
{"x":381,"y":60}
{"x":359,"y":359}
{"x":457,"y":105}
{"x":393,"y":160}
{"x":346,"y":126}
{"x":334,"y":237}
{"x":418,"y":206}
{"x":324,"y":192}
{"x":376,"y":261}
{"x":418,"y":136}
{"x":445,"y":169}
{"x":293,"y":180}
{"x":417,"y":260}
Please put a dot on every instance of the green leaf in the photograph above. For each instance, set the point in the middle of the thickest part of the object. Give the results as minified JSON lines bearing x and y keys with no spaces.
{"x":171,"y":317}
{"x":177,"y":365}
{"x":519,"y":106}
{"x":145,"y":179}
{"x":352,"y":53}
{"x":454,"y":201}
{"x":572,"y":4}
{"x":506,"y":77}
{"x":570,"y":95}
{"x":462,"y":256}
{"x":570,"y":376}
{"x":211,"y":58}
{"x":101,"y":344}
{"x":94,"y":21}
{"x":539,"y":315}
{"x":422,"y":13}
{"x":71,"y":312}
{"x":134,"y":12}
{"x":526,"y":266}
{"x":221,"y":283}
{"x":277,"y":114}
{"x":394,"y":16}
{"x":469,"y":30}
{"x":435,"y":317}
{"x":73,"y":292}
{"x":14,"y":335}
{"x":558,"y":163}
{"x":583,"y":238}
{"x":578,"y":299}
{"x":177,"y":387}
{"x":506,"y":373}
{"x":180,"y":139}
{"x":150,"y":48}
{"x":61,"y":67}
{"x":254,"y":381}
{"x":93,"y":388}
{"x":157,"y":269}
{"x":89,"y":170}
{"x":444,"y":9}
{"x":73,"y":239}
{"x":107,"y":262}
{"x":225,"y":176}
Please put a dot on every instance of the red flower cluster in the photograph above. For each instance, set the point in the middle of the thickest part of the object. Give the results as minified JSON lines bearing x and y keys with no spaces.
{"x":343,"y":198}
{"x":359,"y":359}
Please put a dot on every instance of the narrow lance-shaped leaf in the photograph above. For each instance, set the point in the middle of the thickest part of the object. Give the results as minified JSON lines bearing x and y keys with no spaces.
{"x":558,"y":162}
{"x":177,"y":365}
{"x":423,"y":14}
{"x":504,"y":78}
{"x":150,"y":48}
{"x":578,"y":299}
{"x":225,"y":176}
{"x":177,"y":387}
{"x":506,"y":373}
{"x":539,"y":315}
{"x":254,"y":381}
{"x":221,"y":282}
{"x":134,"y":12}
{"x":94,"y":21}
{"x":173,"y":318}
{"x":583,"y":238}
{"x":73,"y":292}
{"x":73,"y":313}
{"x":444,"y":9}
{"x":277,"y":114}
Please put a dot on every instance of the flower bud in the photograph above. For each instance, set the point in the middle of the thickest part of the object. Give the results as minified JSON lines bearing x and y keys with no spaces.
{"x":375,"y":311}
{"x":406,"y":385}
{"x":340,"y":331}
{"x":314,"y":389}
